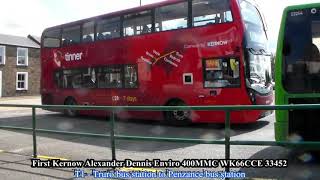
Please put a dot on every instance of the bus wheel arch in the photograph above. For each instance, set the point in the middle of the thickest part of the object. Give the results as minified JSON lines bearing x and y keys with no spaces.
{"x":177,"y":117}
{"x":70,"y":112}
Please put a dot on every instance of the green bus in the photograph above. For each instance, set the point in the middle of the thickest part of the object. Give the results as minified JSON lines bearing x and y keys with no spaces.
{"x":297,"y":73}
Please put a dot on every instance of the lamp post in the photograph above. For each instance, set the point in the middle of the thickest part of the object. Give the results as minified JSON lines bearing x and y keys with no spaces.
{"x":140,"y":2}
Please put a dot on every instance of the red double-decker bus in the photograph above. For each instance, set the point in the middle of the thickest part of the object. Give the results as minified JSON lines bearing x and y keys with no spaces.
{"x":172,"y":53}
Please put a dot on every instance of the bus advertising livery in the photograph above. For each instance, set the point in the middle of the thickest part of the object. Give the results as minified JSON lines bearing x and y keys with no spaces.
{"x":172,"y":53}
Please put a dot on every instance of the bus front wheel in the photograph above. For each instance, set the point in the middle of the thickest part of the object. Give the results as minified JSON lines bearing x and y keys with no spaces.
{"x":177,"y":117}
{"x":70,"y":112}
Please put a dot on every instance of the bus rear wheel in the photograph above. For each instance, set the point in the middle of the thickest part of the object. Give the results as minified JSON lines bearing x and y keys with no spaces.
{"x":177,"y":117}
{"x":70,"y":112}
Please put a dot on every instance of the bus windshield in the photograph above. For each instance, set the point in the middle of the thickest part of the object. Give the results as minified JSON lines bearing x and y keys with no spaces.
{"x":255,"y":33}
{"x":301,"y":53}
{"x":257,"y":57}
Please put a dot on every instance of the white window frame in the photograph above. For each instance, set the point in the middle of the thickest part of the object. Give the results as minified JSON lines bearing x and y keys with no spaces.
{"x":4,"y":55}
{"x":25,"y":81}
{"x":27,"y":56}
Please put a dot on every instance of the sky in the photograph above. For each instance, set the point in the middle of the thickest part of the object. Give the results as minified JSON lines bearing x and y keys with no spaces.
{"x":20,"y":17}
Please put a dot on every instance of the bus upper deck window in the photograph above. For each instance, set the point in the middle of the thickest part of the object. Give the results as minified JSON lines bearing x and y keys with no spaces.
{"x":172,"y":17}
{"x":137,"y":23}
{"x":71,"y":35}
{"x":108,"y":28}
{"x":88,"y":32}
{"x":207,"y":12}
{"x":51,"y":38}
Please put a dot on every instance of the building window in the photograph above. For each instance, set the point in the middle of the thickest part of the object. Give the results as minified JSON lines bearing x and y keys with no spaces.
{"x":22,"y":81}
{"x":2,"y":54}
{"x":22,"y":56}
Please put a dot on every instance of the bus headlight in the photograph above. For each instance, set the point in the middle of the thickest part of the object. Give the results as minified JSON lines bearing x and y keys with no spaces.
{"x":252,"y":96}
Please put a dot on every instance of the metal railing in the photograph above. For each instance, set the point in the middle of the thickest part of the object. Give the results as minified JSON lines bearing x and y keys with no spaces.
{"x":113,"y":136}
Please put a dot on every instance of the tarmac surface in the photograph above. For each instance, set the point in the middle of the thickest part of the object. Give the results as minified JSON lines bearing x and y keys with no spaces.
{"x":16,"y":147}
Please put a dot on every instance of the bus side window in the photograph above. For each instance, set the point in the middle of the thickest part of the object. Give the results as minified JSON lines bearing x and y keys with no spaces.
{"x":171,"y":17}
{"x":89,"y":78}
{"x":206,"y":12}
{"x":221,"y":73}
{"x":66,"y":42}
{"x":145,"y":29}
{"x":88,"y":32}
{"x":100,"y":36}
{"x":71,"y":35}
{"x":137,"y":23}
{"x":109,"y":77}
{"x":76,"y":81}
{"x":58,"y":79}
{"x":108,"y":28}
{"x":130,"y":76}
{"x":51,"y":38}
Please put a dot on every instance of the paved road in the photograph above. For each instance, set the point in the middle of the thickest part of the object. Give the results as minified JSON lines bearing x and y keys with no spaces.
{"x":16,"y":146}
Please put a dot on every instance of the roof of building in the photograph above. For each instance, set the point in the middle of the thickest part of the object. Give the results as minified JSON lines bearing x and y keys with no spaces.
{"x":18,"y":41}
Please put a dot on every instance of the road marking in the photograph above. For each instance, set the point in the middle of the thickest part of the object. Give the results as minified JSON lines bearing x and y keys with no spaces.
{"x":140,"y":169}
{"x":50,"y":157}
{"x":21,"y":149}
{"x":12,"y":108}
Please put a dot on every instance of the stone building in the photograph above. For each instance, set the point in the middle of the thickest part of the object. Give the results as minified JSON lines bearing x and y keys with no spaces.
{"x":19,"y":65}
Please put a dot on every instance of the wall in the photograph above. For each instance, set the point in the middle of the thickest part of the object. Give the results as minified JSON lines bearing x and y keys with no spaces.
{"x":10,"y":69}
